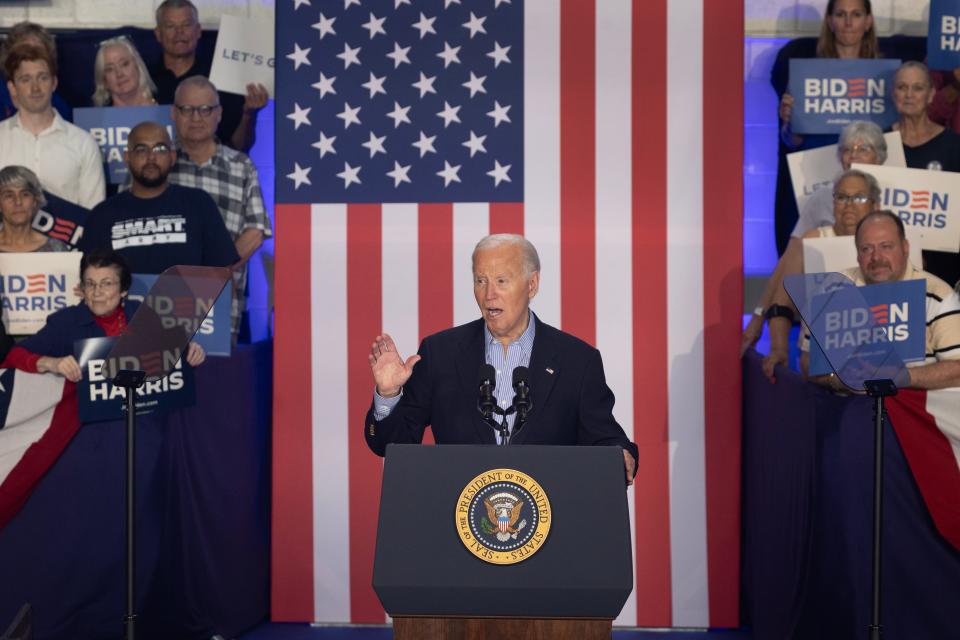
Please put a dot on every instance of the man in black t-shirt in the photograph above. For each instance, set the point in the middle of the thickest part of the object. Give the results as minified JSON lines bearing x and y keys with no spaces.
{"x":156,"y":224}
{"x":178,"y":32}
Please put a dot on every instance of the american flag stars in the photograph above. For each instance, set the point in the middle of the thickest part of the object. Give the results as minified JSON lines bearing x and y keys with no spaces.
{"x":400,"y":101}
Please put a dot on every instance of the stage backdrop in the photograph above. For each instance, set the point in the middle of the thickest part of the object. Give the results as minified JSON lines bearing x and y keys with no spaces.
{"x":609,"y":133}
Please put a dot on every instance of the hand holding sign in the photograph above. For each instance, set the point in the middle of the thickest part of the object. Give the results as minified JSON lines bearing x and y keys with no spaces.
{"x":66,"y":366}
{"x":257,"y":97}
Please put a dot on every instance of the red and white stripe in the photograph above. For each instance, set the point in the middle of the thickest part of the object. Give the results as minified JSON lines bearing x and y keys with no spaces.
{"x":633,"y":199}
{"x":927,"y":424}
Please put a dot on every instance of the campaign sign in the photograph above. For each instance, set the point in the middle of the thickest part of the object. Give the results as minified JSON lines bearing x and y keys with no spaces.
{"x":214,"y":334}
{"x":839,"y":253}
{"x":110,"y":127}
{"x":815,"y":169}
{"x":928,"y":202}
{"x":829,"y":94}
{"x":244,"y":54}
{"x":943,"y":35}
{"x":866,"y":323}
{"x":34,"y":285}
{"x":98,"y":399}
{"x":61,"y":219}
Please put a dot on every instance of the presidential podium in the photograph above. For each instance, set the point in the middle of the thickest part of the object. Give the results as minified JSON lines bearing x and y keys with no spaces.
{"x":482,"y":541}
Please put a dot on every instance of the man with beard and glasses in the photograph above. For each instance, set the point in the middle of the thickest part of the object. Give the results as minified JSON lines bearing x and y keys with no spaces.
{"x":157,"y":224}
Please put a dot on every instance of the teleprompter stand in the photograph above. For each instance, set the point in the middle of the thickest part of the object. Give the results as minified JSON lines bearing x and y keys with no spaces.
{"x":878,"y":390}
{"x":131,"y":380}
{"x":871,"y":367}
{"x":149,"y":348}
{"x":435,"y":588}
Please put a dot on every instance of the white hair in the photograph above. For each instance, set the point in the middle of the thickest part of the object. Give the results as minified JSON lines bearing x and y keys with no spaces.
{"x":531,"y":261}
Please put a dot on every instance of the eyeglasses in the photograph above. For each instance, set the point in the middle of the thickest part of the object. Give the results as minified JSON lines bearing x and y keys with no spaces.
{"x":103,"y":285}
{"x":187,"y":110}
{"x":845,"y":198}
{"x":858,"y":149}
{"x":142,"y":150}
{"x":172,"y":27}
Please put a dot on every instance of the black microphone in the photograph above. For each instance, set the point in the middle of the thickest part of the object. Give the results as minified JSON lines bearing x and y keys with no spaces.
{"x":487,"y":382}
{"x":521,"y":387}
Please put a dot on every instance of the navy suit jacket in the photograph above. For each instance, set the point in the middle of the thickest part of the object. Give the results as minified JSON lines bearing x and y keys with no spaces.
{"x":572,"y":404}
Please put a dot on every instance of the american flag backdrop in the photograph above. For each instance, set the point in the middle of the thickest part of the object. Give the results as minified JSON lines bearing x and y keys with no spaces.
{"x":609,"y":132}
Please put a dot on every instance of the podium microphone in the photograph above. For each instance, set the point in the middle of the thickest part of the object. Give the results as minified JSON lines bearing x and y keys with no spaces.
{"x":487,"y":382}
{"x":521,"y":387}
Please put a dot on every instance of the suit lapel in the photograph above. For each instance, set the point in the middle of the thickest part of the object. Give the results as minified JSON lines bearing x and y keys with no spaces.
{"x":472,"y":354}
{"x":544,"y":369}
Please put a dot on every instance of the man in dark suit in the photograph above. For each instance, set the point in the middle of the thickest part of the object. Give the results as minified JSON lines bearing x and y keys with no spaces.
{"x":571,"y":402}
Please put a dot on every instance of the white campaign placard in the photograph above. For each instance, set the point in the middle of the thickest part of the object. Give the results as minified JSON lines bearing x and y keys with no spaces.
{"x":34,"y":285}
{"x":244,"y":54}
{"x":839,"y":253}
{"x":816,"y":168}
{"x":928,"y":202}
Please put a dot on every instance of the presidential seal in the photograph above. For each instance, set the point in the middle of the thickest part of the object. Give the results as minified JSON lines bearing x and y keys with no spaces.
{"x":503,"y":516}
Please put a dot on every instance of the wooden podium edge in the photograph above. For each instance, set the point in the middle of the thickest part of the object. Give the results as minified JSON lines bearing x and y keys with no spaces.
{"x":427,"y":628}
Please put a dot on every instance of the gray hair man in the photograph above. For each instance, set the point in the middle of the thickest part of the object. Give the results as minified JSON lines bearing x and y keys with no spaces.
{"x":178,"y":31}
{"x":226,"y":174}
{"x":571,"y":402}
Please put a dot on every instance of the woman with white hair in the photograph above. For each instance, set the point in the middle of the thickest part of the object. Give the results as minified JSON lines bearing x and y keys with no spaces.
{"x":861,"y":142}
{"x":120,"y":75}
{"x":20,"y":199}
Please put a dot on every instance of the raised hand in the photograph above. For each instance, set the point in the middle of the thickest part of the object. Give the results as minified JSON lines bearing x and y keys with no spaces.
{"x":390,"y":370}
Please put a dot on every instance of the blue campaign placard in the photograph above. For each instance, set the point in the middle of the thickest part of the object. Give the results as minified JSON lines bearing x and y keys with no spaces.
{"x":867,"y":323}
{"x":98,"y":399}
{"x":829,"y":94}
{"x":61,"y":219}
{"x":943,"y":35}
{"x":214,"y":333}
{"x":110,"y":127}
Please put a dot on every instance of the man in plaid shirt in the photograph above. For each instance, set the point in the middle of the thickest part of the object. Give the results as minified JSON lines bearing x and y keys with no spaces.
{"x":227,"y":175}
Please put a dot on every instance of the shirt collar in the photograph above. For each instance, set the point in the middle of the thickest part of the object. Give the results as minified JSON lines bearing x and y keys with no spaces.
{"x":56,"y":125}
{"x":525,"y":341}
{"x":217,"y":154}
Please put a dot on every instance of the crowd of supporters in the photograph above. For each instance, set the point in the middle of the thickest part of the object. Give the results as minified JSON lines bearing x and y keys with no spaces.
{"x":200,"y":180}
{"x":926,"y":103}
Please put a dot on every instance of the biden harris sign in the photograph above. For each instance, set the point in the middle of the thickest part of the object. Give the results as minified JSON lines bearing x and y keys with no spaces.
{"x":214,"y":332}
{"x":830,"y":94}
{"x":943,"y":35}
{"x":98,"y":399}
{"x":867,"y":323}
{"x":110,"y":127}
{"x":34,"y":285}
{"x":926,"y":201}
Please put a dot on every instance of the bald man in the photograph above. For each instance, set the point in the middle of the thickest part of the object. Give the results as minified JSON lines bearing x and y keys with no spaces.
{"x":156,"y":224}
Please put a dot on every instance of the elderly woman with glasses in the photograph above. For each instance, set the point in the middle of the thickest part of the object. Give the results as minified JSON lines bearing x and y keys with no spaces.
{"x":104,"y":311}
{"x":861,"y":142}
{"x":20,"y":199}
{"x":121,"y":77}
{"x":855,"y":194}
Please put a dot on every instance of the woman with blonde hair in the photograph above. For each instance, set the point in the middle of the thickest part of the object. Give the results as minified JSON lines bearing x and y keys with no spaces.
{"x":120,"y":75}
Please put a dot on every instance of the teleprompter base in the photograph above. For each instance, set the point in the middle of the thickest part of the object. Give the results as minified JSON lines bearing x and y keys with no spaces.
{"x":424,"y":628}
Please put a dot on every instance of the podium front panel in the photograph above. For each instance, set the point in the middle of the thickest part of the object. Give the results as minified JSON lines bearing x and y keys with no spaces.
{"x":584,"y":568}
